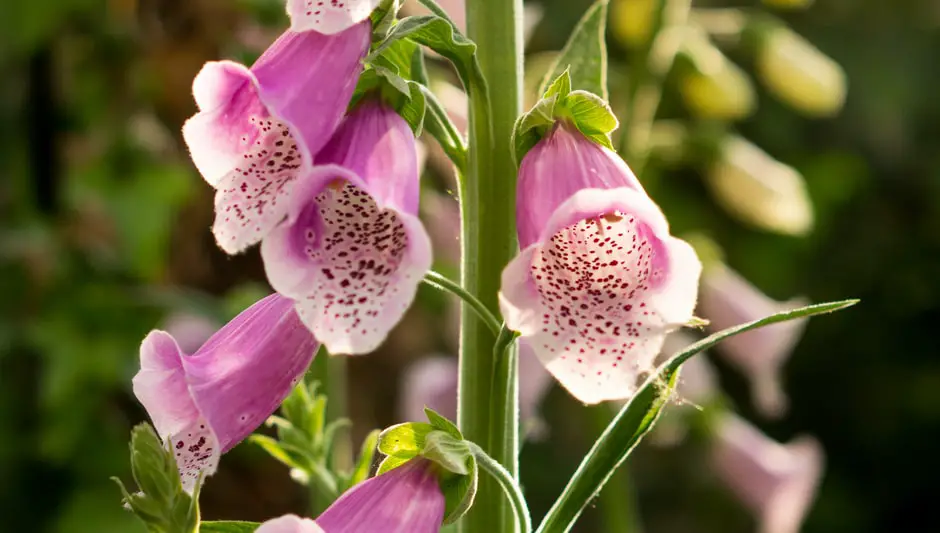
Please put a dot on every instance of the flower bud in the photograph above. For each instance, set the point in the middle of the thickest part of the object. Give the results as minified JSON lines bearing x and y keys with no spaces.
{"x":760,"y":190}
{"x":798,"y":74}
{"x":631,"y":21}
{"x":712,"y":86}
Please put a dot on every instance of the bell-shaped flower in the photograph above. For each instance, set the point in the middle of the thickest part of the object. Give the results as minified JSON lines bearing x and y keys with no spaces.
{"x":352,"y":250}
{"x":778,"y":482}
{"x":759,"y":190}
{"x":205,"y":403}
{"x":407,"y":499}
{"x":600,"y":281}
{"x":258,"y":129}
{"x":328,"y":16}
{"x":726,"y":300}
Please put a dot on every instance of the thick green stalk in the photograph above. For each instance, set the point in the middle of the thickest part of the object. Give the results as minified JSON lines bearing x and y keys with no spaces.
{"x":489,"y":243}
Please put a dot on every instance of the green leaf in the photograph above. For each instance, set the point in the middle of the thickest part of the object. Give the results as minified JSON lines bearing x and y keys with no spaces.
{"x":441,"y":36}
{"x":391,"y":462}
{"x":442,"y":423}
{"x":228,"y":527}
{"x":404,"y":440}
{"x":585,"y":54}
{"x":275,"y":450}
{"x":366,"y":454}
{"x":638,"y":416}
{"x":459,"y":492}
{"x":447,"y":451}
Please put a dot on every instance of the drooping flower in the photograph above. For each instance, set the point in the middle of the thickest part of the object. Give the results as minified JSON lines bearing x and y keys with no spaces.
{"x":352,"y":250}
{"x":600,"y":281}
{"x":407,"y":499}
{"x":205,"y":403}
{"x":727,"y":299}
{"x":328,"y":16}
{"x":776,"y":481}
{"x":258,"y":129}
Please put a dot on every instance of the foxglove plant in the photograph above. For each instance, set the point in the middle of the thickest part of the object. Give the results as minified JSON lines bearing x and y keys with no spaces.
{"x":312,"y":152}
{"x":351,"y":250}
{"x":205,"y":403}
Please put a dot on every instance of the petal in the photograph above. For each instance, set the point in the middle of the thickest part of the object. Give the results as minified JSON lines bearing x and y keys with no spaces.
{"x":223,"y":130}
{"x":353,"y":267}
{"x":407,"y":499}
{"x":560,"y":165}
{"x":162,"y":388}
{"x":597,"y":295}
{"x":241,"y":376}
{"x":328,"y":16}
{"x":289,"y":524}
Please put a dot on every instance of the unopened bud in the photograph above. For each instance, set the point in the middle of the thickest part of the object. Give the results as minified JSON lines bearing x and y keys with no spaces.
{"x":788,"y":4}
{"x":711,"y":85}
{"x":798,"y":74}
{"x":760,"y":190}
{"x":631,"y":21}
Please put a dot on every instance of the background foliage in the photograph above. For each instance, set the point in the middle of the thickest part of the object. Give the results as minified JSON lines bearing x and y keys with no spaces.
{"x":105,"y":235}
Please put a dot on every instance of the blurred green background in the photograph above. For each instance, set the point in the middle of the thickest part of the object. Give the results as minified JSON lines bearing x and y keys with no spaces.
{"x":105,"y":235}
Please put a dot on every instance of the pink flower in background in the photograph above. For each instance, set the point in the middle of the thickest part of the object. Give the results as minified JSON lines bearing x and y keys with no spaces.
{"x":258,"y":129}
{"x":189,"y":329}
{"x":328,"y":16}
{"x":727,"y":299}
{"x":600,"y":281}
{"x":777,"y":482}
{"x":407,"y":499}
{"x":205,"y":403}
{"x":352,"y":250}
{"x":432,"y":382}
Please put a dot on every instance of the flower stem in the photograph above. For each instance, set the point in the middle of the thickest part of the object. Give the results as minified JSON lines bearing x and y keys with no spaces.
{"x":440,"y":281}
{"x":489,"y":243}
{"x":617,"y":501}
{"x":510,"y":487}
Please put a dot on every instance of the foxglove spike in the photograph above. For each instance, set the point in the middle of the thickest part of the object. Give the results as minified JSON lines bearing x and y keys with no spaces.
{"x":407,"y":499}
{"x":258,"y":129}
{"x":776,"y":481}
{"x":328,"y":16}
{"x":352,"y":250}
{"x":206,"y":403}
{"x":600,"y":281}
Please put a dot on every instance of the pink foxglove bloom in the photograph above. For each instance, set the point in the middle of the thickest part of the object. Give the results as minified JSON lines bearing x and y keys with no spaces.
{"x":600,"y":281}
{"x":407,"y":499}
{"x":205,"y":403}
{"x":727,"y":299}
{"x":352,"y":250}
{"x":328,"y":16}
{"x":258,"y":129}
{"x":777,"y":482}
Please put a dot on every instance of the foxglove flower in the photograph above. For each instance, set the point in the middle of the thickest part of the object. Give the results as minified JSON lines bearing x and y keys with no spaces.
{"x":205,"y":403}
{"x":727,"y":299}
{"x":352,"y":250}
{"x":258,"y":129}
{"x":600,"y":281}
{"x":328,"y":16}
{"x":407,"y":499}
{"x":777,"y":482}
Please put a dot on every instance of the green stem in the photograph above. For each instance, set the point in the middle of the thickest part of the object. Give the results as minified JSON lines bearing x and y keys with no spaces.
{"x":489,"y":243}
{"x":647,"y":84}
{"x":617,"y":501}
{"x":509,"y":485}
{"x":439,"y":281}
{"x":331,"y":372}
{"x":439,"y":125}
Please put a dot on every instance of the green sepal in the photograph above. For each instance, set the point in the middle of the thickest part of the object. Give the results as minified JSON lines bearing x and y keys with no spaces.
{"x":161,"y":502}
{"x":586,"y":111}
{"x":585,"y":54}
{"x":447,"y":451}
{"x":404,"y":441}
{"x":228,"y":526}
{"x":459,"y":492}
{"x":389,"y":75}
{"x":383,"y":18}
{"x":366,"y":453}
{"x":442,"y":423}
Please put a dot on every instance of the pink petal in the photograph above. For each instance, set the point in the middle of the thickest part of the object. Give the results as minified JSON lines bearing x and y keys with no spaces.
{"x":597,"y":294}
{"x":778,"y":482}
{"x":407,"y":499}
{"x":328,"y":16}
{"x":289,"y":524}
